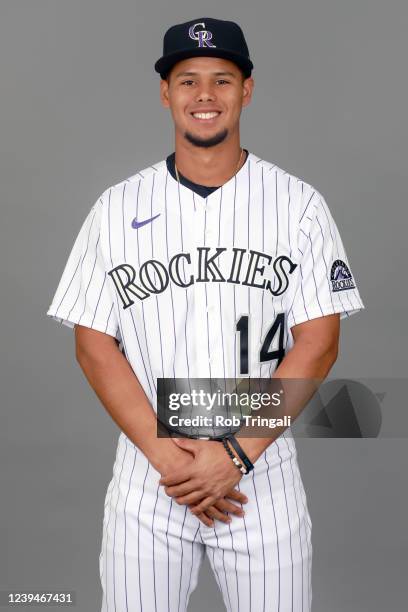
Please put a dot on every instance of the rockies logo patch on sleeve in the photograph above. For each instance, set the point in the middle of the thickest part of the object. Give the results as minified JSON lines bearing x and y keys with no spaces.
{"x":340,"y":276}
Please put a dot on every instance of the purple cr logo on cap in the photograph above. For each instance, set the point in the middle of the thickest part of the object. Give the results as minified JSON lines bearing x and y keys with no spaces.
{"x":203,"y":36}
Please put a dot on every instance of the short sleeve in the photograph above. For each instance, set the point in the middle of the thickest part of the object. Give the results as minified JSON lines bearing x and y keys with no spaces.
{"x":325,"y":283}
{"x":83,"y":295}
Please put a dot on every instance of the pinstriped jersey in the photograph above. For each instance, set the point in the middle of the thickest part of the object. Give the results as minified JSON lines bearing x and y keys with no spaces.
{"x":209,"y":287}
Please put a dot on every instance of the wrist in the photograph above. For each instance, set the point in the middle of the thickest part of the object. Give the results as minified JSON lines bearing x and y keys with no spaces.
{"x":235,"y":459}
{"x":168,"y":456}
{"x":254,"y":447}
{"x":162,"y":455}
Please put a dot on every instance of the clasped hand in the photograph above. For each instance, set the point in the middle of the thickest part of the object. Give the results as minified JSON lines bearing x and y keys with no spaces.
{"x":205,"y":480}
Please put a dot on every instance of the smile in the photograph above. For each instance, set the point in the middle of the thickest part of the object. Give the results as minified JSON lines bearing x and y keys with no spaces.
{"x":206,"y":117}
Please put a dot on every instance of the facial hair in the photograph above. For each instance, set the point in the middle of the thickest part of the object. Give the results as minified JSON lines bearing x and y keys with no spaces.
{"x":207,"y":142}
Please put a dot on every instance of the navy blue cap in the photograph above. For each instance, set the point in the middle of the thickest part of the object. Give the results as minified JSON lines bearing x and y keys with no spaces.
{"x":204,"y":37}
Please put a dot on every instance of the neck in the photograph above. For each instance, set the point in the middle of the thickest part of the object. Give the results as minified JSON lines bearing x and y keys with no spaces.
{"x":212,"y":166}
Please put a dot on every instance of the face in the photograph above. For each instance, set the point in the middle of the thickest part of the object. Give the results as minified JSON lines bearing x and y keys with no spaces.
{"x":206,"y":96}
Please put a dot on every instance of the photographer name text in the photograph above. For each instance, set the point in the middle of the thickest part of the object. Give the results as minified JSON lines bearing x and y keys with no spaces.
{"x":223,"y":421}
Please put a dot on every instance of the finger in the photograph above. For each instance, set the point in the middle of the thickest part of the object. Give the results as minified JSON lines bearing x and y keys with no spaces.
{"x":182,"y":489}
{"x":205,"y":519}
{"x":217,"y":514}
{"x":176,"y":477}
{"x":191,"y":498}
{"x":203,"y":505}
{"x":226,"y":506}
{"x":237,"y":495}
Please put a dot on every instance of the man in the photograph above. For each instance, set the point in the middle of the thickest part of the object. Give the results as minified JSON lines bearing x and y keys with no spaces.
{"x":210,"y":263}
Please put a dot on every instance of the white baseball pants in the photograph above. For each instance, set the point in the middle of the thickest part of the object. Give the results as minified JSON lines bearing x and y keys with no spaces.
{"x":152,"y":547}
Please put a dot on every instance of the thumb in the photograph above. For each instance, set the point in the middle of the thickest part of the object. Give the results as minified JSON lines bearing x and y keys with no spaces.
{"x":187,"y":444}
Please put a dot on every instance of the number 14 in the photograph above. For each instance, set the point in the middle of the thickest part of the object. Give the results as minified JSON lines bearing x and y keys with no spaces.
{"x":277,"y":327}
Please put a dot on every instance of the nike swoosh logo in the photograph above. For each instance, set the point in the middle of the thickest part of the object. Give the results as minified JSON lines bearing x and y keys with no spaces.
{"x":136,"y":224}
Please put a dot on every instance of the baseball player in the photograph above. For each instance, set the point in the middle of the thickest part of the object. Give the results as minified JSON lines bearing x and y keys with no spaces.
{"x":210,"y":263}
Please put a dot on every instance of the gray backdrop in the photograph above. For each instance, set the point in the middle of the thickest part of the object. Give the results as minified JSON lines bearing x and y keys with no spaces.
{"x":80,"y":111}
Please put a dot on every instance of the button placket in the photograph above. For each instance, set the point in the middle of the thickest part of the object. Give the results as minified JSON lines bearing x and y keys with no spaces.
{"x":212,"y":301}
{"x":200,"y":313}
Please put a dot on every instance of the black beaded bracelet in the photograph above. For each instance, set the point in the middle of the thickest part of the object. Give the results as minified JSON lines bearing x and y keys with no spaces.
{"x":242,"y":455}
{"x":234,"y":459}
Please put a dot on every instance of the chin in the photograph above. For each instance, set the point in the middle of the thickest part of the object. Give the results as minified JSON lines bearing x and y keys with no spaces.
{"x":206,"y":139}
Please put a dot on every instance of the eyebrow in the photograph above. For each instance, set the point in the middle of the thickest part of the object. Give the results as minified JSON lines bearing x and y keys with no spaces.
{"x":220,"y":73}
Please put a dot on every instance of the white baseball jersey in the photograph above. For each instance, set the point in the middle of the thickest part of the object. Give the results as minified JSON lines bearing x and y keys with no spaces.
{"x":181,"y":280}
{"x":206,"y":287}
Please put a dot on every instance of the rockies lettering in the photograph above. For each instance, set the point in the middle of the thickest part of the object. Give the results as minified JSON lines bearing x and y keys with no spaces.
{"x":244,"y":268}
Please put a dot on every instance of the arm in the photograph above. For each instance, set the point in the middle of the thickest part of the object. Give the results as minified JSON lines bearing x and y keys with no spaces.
{"x":314,"y":352}
{"x":114,"y":382}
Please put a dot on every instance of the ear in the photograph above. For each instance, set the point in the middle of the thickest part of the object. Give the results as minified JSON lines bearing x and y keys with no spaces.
{"x":164,"y":93}
{"x":247,"y":90}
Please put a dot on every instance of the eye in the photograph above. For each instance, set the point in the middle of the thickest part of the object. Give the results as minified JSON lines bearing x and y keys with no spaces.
{"x":222,"y":81}
{"x":184,"y":82}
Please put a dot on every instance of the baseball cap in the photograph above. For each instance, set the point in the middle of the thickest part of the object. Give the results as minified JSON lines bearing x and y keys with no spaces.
{"x":204,"y":37}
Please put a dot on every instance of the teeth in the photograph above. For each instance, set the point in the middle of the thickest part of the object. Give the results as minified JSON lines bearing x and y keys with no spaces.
{"x":205,"y":115}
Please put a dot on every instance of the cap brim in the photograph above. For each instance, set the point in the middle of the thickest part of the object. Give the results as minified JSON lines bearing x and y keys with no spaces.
{"x":165,"y":63}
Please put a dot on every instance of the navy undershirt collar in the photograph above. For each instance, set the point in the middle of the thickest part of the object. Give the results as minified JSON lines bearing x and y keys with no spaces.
{"x":202,"y":190}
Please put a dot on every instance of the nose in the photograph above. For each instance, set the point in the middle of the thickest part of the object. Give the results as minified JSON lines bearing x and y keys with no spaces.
{"x":206,"y":93}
